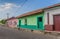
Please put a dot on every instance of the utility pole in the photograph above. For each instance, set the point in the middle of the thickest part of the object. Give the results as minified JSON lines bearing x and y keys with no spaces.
{"x":7,"y":15}
{"x":7,"y":18}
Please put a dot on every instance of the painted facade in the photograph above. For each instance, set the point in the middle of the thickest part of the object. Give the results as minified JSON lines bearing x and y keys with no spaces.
{"x":12,"y":22}
{"x":32,"y":22}
{"x":55,"y":11}
{"x":47,"y":19}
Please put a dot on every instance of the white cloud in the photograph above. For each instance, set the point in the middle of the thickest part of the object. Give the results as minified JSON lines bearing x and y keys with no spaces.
{"x":8,"y":6}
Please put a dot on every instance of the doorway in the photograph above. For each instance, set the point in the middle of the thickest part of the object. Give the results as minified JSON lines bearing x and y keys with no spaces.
{"x":40,"y":23}
{"x":19,"y":23}
{"x":57,"y":22}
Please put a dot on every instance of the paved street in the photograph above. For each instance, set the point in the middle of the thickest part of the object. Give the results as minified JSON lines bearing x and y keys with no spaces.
{"x":7,"y":33}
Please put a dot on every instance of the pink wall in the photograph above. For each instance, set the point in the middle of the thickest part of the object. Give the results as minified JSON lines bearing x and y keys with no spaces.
{"x":12,"y":23}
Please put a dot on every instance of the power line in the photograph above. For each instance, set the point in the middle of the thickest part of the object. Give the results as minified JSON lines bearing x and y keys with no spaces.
{"x":22,"y":5}
{"x":18,"y":9}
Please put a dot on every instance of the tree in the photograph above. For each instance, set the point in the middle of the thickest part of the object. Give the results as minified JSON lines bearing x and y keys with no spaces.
{"x":3,"y":21}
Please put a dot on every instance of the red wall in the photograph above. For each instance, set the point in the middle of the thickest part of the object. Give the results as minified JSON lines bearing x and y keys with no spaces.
{"x":49,"y":27}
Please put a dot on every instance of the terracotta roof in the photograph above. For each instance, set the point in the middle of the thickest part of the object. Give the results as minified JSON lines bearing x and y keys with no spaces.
{"x":30,"y":13}
{"x":39,"y":10}
{"x":11,"y":18}
{"x":55,"y":5}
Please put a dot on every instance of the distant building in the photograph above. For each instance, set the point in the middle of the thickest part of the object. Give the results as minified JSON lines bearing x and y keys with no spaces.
{"x":12,"y":22}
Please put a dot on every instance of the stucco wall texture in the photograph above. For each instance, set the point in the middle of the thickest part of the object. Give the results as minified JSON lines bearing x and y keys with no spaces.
{"x":12,"y":23}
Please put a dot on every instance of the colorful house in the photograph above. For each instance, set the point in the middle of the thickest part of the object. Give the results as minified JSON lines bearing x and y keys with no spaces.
{"x":43,"y":19}
{"x":52,"y":18}
{"x":32,"y":20}
{"x":12,"y":22}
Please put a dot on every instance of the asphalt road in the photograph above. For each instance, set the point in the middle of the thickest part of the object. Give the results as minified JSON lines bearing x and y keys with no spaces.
{"x":7,"y":33}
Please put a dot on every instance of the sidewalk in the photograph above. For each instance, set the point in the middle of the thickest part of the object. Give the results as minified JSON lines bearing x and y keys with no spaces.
{"x":54,"y":34}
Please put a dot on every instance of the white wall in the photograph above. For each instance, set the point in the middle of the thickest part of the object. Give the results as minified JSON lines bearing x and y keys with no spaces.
{"x":52,"y":11}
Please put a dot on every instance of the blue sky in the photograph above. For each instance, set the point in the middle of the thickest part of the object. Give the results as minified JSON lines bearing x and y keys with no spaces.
{"x":15,"y":8}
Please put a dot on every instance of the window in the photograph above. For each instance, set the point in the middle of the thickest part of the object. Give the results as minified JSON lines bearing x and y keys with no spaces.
{"x":25,"y":21}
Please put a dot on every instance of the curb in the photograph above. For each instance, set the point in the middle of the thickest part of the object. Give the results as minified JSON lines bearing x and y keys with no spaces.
{"x":53,"y":33}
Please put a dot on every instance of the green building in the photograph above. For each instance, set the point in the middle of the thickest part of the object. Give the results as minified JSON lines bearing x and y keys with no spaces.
{"x":32,"y":20}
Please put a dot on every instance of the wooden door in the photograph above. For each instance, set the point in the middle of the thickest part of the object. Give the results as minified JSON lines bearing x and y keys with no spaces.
{"x":57,"y":22}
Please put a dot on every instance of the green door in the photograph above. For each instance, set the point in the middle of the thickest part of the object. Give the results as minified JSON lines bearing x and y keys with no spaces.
{"x":40,"y":23}
{"x":19,"y":23}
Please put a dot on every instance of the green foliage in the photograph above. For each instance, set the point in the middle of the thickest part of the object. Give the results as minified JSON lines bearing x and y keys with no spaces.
{"x":3,"y":21}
